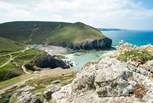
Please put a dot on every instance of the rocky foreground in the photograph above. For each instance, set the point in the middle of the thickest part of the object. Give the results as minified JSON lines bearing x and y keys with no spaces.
{"x":121,"y":76}
{"x":109,"y":81}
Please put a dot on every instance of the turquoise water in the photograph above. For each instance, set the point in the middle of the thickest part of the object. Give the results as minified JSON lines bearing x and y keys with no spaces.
{"x":134,"y":37}
{"x":81,"y":58}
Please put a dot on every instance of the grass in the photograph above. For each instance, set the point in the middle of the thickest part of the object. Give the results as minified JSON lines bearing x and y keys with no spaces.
{"x":3,"y":59}
{"x":14,"y":80}
{"x":27,"y":56}
{"x":7,"y":45}
{"x":13,"y":68}
{"x":40,"y":81}
{"x":136,"y":55}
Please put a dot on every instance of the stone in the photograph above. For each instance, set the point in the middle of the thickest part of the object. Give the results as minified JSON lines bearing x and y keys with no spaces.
{"x":106,"y":81}
{"x":35,"y":99}
{"x":50,"y":90}
{"x":23,"y":95}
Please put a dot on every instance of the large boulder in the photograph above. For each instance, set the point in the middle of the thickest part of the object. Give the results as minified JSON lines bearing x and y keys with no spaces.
{"x":107,"y":81}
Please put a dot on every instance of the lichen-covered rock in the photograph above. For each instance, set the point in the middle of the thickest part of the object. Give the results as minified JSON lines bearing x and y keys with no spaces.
{"x":107,"y":81}
{"x":24,"y":95}
{"x":35,"y":99}
{"x":50,"y":90}
{"x":148,"y":66}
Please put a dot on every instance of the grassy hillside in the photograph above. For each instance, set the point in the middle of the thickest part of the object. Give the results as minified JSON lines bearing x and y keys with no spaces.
{"x":10,"y":64}
{"x":7,"y":45}
{"x":49,"y":32}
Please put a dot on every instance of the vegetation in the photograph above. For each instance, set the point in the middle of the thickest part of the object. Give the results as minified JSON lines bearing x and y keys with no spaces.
{"x":7,"y":45}
{"x":136,"y":55}
{"x":11,"y":65}
{"x":49,"y":32}
{"x":40,"y":82}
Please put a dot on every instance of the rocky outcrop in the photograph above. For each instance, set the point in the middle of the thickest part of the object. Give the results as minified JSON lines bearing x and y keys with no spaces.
{"x":49,"y":62}
{"x":24,"y":95}
{"x":107,"y":81}
{"x":101,"y":44}
{"x":50,"y":90}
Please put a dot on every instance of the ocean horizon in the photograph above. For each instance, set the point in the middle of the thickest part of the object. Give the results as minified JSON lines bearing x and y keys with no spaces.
{"x":135,"y":37}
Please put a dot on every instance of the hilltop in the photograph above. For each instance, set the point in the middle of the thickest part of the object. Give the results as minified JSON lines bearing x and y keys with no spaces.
{"x":73,"y":35}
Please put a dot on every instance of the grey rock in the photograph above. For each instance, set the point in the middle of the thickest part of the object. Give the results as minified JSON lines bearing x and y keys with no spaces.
{"x":24,"y":95}
{"x":35,"y":99}
{"x":50,"y":90}
{"x":107,"y":81}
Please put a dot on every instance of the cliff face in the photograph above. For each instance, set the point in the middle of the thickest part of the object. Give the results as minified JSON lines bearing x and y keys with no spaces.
{"x":49,"y":62}
{"x":105,"y":43}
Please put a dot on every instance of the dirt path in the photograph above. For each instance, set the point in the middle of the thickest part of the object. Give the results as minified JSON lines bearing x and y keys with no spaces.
{"x":11,"y":57}
{"x":25,"y":69}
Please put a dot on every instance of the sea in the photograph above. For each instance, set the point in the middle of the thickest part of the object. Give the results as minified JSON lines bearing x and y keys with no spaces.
{"x":135,"y":37}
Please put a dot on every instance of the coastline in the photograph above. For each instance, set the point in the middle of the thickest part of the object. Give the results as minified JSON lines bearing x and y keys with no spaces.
{"x":78,"y":58}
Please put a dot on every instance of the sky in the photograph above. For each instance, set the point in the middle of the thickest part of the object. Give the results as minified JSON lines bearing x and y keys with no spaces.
{"x":127,"y":14}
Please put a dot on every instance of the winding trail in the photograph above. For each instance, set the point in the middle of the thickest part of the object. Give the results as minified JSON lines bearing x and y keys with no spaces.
{"x":11,"y":57}
{"x":25,"y":69}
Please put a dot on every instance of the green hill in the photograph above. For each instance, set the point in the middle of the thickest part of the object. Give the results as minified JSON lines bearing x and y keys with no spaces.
{"x":7,"y":45}
{"x":10,"y":64}
{"x":73,"y":35}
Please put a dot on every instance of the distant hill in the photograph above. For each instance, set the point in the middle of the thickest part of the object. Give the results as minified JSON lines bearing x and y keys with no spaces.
{"x":110,"y":29}
{"x":73,"y":35}
{"x":7,"y":45}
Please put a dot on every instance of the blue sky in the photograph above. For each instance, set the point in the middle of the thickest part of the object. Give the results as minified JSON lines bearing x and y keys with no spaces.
{"x":146,"y":3}
{"x":127,"y":14}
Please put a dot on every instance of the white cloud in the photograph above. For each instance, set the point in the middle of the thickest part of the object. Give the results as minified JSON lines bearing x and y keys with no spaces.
{"x":100,"y":13}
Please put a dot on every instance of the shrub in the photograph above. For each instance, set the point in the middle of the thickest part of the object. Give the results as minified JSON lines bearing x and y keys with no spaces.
{"x":135,"y":55}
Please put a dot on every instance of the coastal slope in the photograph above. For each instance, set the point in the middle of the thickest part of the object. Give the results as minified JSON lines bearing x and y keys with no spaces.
{"x":7,"y":45}
{"x":72,"y":35}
